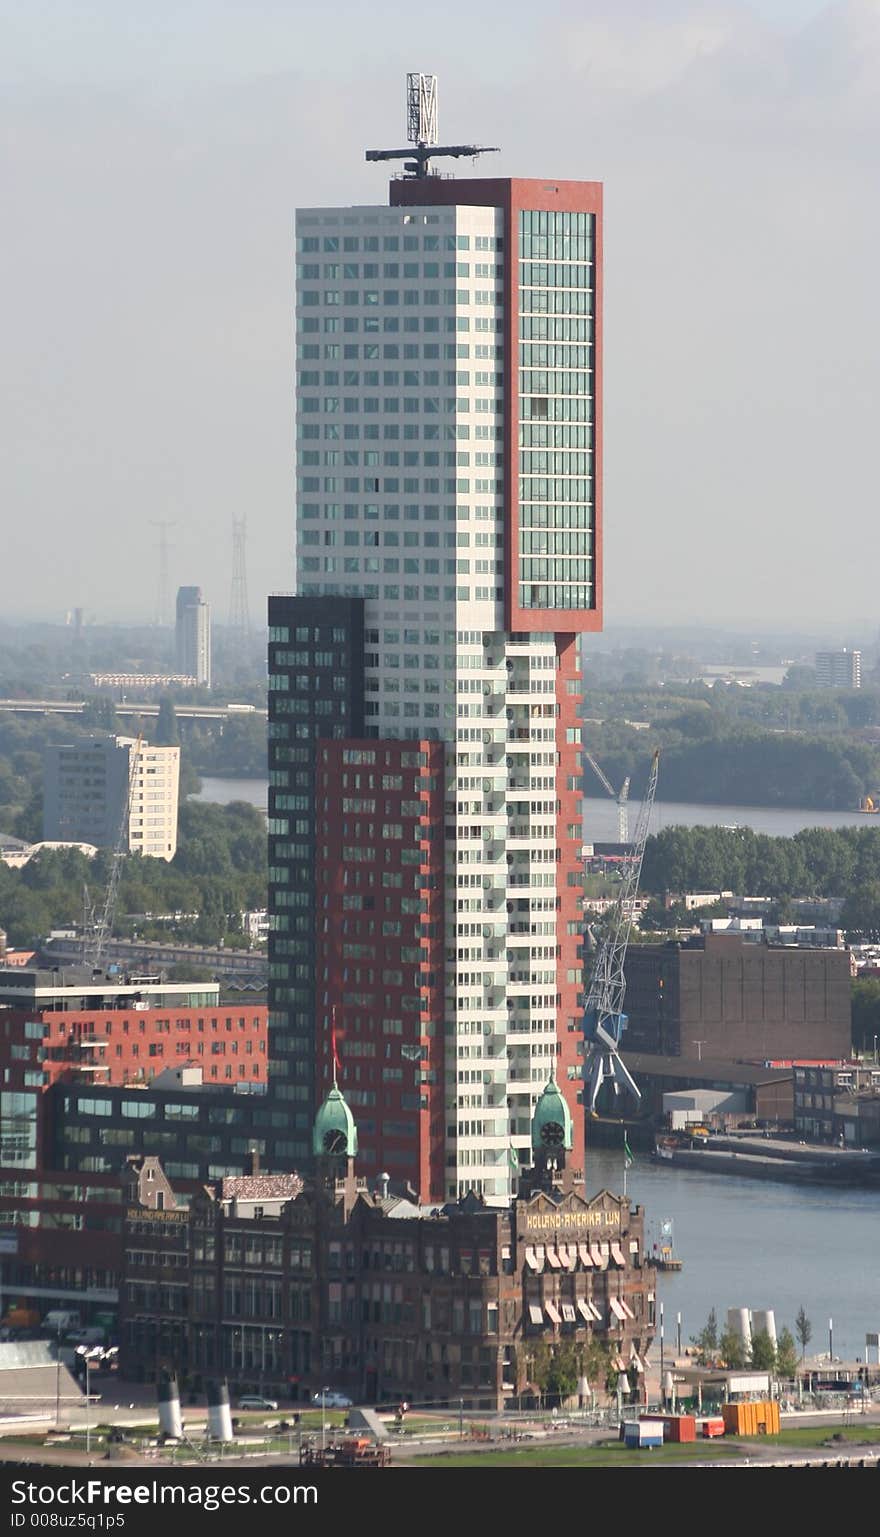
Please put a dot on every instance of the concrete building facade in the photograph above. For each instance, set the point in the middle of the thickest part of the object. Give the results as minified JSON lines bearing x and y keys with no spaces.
{"x":839,"y":669}
{"x":96,"y":787}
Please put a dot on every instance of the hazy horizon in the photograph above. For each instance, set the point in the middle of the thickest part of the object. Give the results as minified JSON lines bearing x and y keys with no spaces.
{"x":152,"y":166}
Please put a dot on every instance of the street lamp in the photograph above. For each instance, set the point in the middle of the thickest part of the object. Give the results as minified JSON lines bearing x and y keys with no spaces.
{"x":58,"y":1378}
{"x":662,"y":1400}
{"x":324,"y":1392}
{"x":875,"y":1051}
{"x":88,"y":1366}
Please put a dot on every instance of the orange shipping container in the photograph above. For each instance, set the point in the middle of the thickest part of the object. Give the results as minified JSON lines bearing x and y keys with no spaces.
{"x":751,"y":1419}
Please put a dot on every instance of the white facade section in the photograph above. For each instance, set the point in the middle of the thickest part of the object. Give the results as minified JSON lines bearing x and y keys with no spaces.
{"x":400,"y":423}
{"x":155,"y":781}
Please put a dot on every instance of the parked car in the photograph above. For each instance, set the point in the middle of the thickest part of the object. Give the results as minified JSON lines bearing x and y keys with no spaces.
{"x":327,"y":1400}
{"x":253,"y":1401}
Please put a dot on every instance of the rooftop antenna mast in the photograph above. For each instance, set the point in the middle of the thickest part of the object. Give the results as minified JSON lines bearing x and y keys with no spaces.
{"x":422,"y":133}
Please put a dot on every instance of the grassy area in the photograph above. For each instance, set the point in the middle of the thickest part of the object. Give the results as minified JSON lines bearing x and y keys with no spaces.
{"x":818,"y":1435}
{"x":614,"y":1454}
{"x":608,"y":1454}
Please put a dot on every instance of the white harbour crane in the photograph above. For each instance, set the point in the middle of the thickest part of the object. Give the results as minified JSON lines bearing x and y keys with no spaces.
{"x":604,"y":1019}
{"x":621,"y":796}
{"x":98,"y":931}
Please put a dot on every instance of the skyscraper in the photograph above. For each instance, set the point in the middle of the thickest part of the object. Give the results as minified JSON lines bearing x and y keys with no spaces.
{"x":192,"y":635}
{"x":449,"y":482}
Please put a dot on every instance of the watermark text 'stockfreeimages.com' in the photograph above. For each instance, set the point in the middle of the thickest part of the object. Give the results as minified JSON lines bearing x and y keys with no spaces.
{"x":68,"y":1502}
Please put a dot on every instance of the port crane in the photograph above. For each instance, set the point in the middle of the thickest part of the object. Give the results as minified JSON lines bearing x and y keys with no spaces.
{"x":621,"y":796}
{"x":604,"y":1019}
{"x":98,"y":931}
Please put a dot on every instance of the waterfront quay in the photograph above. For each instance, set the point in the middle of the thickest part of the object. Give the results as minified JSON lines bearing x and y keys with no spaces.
{"x":754,"y":1156}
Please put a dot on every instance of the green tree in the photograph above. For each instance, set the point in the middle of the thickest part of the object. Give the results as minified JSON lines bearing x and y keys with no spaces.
{"x":803,"y":1329}
{"x":564,"y":1371}
{"x":786,"y":1355}
{"x":100,"y":711}
{"x":865,"y":1011}
{"x":763,"y":1352}
{"x":861,"y":910}
{"x":707,"y":1340}
{"x":167,"y":731}
{"x":732,"y":1348}
{"x":28,"y":824}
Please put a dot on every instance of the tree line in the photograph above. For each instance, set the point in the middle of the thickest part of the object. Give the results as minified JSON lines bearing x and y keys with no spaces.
{"x":218,"y":872}
{"x":726,"y":1347}
{"x":816,"y":862}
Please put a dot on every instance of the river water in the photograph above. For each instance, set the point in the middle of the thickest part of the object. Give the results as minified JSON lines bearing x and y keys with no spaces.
{"x":744,"y":1243}
{"x":600,"y":813}
{"x":222,"y":791}
{"x":751,"y":1243}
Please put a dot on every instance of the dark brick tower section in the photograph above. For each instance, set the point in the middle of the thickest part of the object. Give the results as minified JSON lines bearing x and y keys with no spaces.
{"x":316,"y":694}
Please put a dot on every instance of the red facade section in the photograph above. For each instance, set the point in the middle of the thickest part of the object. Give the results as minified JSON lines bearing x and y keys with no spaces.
{"x":513,"y":196}
{"x":569,"y":887}
{"x":380,"y":949}
{"x":130,"y":1046}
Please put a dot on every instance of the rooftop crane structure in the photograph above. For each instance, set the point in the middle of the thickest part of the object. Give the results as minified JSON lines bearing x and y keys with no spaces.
{"x":98,"y":932}
{"x":604,"y":1019}
{"x":621,"y":796}
{"x":422,"y":132}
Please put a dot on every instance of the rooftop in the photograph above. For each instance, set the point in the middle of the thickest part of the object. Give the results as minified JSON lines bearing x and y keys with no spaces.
{"x":703,"y":1070}
{"x":260,"y":1187}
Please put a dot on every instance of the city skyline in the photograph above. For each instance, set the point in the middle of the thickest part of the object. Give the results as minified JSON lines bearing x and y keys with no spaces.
{"x":150,"y":343}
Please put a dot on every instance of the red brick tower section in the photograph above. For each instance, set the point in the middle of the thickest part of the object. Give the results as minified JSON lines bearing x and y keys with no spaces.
{"x":380,"y":950}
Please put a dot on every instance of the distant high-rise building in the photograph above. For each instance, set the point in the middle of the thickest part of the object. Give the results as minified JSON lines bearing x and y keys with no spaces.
{"x":86,"y":788}
{"x":193,"y":635}
{"x":839,"y":669}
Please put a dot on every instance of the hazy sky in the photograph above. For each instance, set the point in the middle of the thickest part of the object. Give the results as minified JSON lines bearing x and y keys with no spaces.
{"x":153,"y":152}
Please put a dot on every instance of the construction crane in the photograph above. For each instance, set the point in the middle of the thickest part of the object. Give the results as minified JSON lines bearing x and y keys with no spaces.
{"x":97,"y":932}
{"x":604,"y":1019}
{"x":621,"y":796}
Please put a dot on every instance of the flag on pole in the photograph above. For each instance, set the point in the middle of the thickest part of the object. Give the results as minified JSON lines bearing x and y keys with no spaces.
{"x":514,"y":1159}
{"x":337,"y":1065}
{"x":628,"y":1159}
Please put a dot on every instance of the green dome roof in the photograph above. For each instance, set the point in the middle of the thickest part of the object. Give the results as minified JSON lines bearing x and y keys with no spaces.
{"x":552,"y":1117}
{"x":335,"y":1131}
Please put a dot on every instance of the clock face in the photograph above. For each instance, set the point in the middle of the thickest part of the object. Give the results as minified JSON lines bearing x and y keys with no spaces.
{"x":552,"y":1134}
{"x":334,"y":1142}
